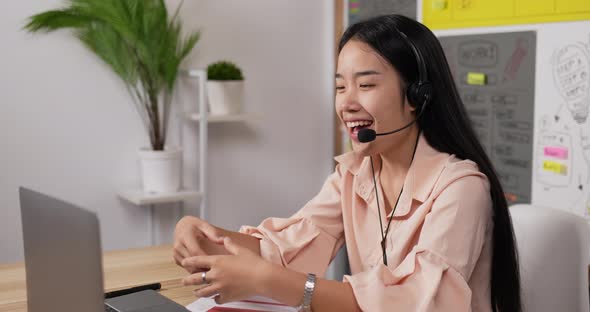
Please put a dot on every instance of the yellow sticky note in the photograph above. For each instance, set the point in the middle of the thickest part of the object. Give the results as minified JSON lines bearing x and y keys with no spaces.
{"x":439,"y":5}
{"x":478,"y":79}
{"x":555,"y":167}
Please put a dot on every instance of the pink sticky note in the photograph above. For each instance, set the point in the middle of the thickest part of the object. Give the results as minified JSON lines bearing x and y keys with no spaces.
{"x":556,"y":152}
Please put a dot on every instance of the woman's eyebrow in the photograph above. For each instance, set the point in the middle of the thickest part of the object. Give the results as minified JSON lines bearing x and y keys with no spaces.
{"x":361,"y":73}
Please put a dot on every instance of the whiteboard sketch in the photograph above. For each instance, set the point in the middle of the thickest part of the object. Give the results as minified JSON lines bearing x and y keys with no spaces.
{"x":570,"y":75}
{"x":562,"y":151}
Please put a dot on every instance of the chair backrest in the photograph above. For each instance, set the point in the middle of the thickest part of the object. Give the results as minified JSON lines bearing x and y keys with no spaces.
{"x":554,"y":250}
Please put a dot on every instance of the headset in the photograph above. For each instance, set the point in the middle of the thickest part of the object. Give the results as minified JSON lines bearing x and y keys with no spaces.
{"x":419,"y":93}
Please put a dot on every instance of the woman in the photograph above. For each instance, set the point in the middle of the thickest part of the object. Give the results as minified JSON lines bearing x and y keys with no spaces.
{"x":421,"y":210}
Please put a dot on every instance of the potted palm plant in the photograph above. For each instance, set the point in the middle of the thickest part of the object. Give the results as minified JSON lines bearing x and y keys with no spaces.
{"x":225,"y":88}
{"x":144,"y":47}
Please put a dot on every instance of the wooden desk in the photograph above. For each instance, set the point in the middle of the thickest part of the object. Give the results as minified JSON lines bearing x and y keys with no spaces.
{"x":122,"y":269}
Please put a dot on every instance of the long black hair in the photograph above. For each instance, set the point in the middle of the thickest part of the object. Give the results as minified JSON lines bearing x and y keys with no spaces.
{"x":447,"y":128}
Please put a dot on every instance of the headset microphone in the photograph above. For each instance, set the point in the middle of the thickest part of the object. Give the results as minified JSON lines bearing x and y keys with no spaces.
{"x":368,"y":135}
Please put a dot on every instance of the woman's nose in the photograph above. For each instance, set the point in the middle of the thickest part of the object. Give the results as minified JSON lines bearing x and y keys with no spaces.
{"x":349,"y":101}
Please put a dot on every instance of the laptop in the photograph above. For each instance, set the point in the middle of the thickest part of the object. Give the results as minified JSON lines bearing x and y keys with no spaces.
{"x":63,"y":261}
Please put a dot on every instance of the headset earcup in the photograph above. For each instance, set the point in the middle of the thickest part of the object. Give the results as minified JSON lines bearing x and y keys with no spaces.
{"x":419,"y":93}
{"x":411,"y":95}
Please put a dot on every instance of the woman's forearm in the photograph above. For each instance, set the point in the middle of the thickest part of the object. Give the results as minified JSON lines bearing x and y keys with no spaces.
{"x":245,"y":240}
{"x":287,"y":286}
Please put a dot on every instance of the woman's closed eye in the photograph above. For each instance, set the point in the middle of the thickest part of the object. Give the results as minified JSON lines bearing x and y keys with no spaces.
{"x":361,"y":86}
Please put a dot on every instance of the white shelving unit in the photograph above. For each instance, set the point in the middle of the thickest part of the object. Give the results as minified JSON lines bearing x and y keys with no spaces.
{"x":141,"y":198}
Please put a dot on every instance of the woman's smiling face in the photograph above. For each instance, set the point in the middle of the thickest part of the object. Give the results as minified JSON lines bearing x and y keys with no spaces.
{"x":369,"y":95}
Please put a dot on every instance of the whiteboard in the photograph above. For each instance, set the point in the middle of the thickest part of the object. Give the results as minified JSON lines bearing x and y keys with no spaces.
{"x":561,"y":152}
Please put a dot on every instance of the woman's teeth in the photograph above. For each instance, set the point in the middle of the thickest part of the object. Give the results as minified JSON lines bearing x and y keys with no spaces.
{"x":353,"y":124}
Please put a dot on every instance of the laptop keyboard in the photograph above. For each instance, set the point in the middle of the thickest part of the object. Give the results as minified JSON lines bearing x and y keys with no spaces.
{"x":109,"y":309}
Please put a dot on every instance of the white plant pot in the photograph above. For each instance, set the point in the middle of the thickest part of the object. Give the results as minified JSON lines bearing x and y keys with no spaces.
{"x":161,"y":170}
{"x":225,"y":97}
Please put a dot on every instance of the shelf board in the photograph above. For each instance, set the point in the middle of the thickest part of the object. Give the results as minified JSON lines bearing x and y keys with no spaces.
{"x":139,"y":197}
{"x":221,"y":118}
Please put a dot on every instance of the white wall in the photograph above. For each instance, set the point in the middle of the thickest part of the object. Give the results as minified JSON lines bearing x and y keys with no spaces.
{"x":67,"y":127}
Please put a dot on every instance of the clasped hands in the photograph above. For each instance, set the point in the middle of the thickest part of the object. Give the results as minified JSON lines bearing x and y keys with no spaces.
{"x":217,"y":262}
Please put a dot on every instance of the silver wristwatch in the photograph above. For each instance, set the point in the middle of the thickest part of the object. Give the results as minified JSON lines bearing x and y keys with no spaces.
{"x":305,"y":305}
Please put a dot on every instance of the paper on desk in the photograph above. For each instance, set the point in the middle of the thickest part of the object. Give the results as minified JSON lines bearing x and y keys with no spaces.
{"x":250,"y":305}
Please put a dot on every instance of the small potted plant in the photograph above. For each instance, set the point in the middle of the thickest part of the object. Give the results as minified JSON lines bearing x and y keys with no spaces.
{"x":225,"y":88}
{"x":144,"y":47}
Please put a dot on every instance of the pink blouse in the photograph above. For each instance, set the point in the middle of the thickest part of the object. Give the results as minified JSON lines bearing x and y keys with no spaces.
{"x":438,"y":245}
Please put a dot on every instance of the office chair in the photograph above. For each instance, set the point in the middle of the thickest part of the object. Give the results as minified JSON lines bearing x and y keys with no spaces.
{"x":554,"y":250}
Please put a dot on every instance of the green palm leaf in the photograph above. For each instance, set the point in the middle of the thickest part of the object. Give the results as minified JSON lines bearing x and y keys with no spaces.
{"x":138,"y":40}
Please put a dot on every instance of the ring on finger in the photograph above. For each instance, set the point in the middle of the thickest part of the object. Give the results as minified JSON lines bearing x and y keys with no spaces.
{"x":204,"y":277}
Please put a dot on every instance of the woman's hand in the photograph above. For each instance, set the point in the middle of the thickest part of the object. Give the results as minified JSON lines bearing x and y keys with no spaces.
{"x":232,"y":277}
{"x":195,"y":237}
